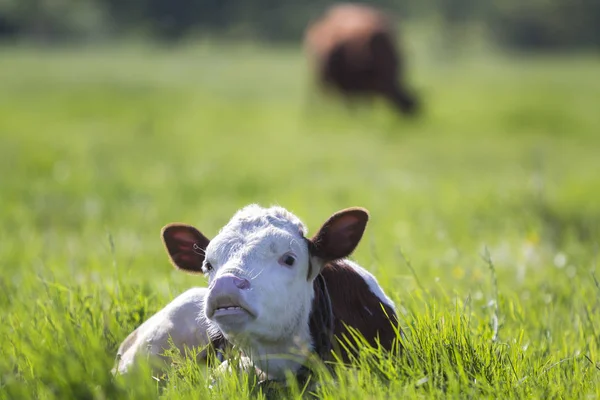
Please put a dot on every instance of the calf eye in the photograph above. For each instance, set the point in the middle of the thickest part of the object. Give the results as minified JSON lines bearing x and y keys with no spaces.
{"x":287,"y":259}
{"x":207,"y":267}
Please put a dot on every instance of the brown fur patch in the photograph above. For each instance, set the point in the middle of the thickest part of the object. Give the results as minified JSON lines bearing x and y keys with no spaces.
{"x":321,"y":319}
{"x":353,"y":304}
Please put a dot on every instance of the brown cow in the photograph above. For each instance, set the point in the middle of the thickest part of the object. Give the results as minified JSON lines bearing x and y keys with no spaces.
{"x":352,"y":48}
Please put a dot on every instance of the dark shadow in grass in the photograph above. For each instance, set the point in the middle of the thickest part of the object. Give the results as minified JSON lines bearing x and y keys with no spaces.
{"x":552,"y":119}
{"x":559,"y":225}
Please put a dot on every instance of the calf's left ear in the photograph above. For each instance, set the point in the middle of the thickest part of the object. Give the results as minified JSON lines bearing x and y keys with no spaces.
{"x":185,"y":245}
{"x":340,"y":234}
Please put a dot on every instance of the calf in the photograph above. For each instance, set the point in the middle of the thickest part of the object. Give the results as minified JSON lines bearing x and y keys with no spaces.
{"x":274,"y":293}
{"x":352,"y":48}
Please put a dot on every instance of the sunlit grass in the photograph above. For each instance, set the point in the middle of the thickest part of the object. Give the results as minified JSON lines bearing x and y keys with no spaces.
{"x":101,"y":148}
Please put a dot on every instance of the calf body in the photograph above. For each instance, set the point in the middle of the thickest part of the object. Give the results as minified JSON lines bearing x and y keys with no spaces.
{"x":182,"y":321}
{"x":352,"y":49}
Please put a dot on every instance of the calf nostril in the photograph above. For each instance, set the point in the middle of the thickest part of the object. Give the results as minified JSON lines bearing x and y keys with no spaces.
{"x":242,"y":283}
{"x":229,"y":282}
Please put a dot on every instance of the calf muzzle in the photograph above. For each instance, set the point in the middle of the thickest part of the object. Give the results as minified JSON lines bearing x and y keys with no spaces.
{"x":226,"y":304}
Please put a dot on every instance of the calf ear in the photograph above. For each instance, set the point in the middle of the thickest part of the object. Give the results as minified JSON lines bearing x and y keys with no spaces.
{"x":185,"y":245}
{"x":340,"y":234}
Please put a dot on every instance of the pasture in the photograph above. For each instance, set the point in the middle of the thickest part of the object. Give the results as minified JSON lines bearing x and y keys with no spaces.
{"x":485,"y":211}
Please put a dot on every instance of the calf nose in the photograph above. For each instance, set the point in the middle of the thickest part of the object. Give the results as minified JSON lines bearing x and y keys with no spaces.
{"x":229,"y":282}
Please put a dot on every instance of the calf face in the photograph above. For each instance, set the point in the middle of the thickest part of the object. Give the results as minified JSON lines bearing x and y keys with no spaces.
{"x":261,"y":269}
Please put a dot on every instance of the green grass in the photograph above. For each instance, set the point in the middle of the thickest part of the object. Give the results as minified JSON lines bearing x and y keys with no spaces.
{"x":485,"y":212}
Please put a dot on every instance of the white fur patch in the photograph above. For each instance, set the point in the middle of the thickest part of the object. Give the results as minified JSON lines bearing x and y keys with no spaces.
{"x":181,"y":321}
{"x":251,"y":246}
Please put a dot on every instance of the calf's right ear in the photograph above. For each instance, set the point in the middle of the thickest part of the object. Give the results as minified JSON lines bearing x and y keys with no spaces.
{"x":185,"y":245}
{"x":340,"y":234}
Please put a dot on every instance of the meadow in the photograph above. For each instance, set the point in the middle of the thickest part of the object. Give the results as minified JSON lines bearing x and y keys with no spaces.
{"x":485,"y":211}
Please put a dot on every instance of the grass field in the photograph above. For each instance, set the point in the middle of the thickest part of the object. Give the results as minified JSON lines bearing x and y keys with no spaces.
{"x":485,"y":212}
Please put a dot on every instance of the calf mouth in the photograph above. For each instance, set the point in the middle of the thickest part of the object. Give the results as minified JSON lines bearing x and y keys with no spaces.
{"x":228,"y":308}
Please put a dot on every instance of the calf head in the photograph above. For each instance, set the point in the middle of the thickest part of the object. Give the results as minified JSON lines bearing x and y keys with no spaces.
{"x":261,"y":269}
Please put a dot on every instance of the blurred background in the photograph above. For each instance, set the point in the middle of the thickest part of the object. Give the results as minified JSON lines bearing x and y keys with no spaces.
{"x":121,"y":115}
{"x":514,"y":24}
{"x":112,"y":108}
